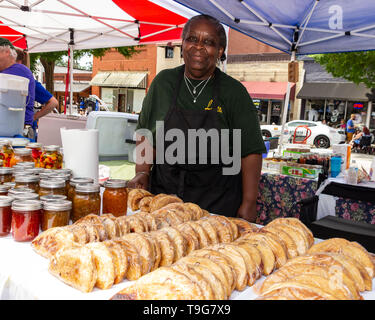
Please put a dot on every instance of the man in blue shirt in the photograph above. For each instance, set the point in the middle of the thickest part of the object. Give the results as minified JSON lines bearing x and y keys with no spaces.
{"x":8,"y":65}
{"x":350,"y":128}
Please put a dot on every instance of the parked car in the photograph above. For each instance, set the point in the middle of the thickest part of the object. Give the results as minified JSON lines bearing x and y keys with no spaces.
{"x":322,"y":136}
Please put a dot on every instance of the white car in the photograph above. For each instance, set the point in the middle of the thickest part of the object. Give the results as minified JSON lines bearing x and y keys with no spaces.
{"x":322,"y":136}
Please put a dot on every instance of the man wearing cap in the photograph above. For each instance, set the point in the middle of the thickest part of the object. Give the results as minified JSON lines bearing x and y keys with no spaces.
{"x":8,"y":65}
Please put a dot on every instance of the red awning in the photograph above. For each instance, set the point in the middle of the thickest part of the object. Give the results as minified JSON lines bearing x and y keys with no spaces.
{"x":268,"y":90}
{"x":17,"y":38}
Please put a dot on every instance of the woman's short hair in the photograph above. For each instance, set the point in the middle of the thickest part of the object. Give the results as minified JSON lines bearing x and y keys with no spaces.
{"x":366,"y":131}
{"x":219,"y":28}
{"x":12,"y":51}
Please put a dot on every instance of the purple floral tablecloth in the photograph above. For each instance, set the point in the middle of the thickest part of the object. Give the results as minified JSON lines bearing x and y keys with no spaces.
{"x":361,"y":211}
{"x":279,"y":194}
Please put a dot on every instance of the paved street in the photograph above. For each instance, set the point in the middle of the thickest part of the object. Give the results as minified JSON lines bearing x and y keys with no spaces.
{"x":363,"y":160}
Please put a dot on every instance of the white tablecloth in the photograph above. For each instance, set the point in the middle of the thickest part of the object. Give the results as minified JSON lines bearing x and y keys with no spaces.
{"x":24,"y":275}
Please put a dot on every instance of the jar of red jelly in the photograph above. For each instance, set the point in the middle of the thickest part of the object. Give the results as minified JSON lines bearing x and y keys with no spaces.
{"x":26,"y":219}
{"x":5,"y":215}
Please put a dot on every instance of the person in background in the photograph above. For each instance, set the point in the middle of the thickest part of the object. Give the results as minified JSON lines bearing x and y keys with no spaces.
{"x":356,"y":140}
{"x":42,"y":96}
{"x":350,"y":128}
{"x":342,"y":124}
{"x":8,"y":65}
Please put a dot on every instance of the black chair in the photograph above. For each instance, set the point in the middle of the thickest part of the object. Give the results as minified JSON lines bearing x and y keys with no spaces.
{"x":365,"y":144}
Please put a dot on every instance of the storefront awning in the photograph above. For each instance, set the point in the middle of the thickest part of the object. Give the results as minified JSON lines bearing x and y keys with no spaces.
{"x":268,"y":90}
{"x":339,"y":91}
{"x":120,"y":79}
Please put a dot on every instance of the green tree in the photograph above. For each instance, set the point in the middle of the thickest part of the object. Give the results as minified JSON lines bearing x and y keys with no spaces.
{"x":50,"y":59}
{"x":357,"y":67}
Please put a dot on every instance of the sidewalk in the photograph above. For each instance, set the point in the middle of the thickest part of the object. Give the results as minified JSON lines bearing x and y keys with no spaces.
{"x":363,"y":160}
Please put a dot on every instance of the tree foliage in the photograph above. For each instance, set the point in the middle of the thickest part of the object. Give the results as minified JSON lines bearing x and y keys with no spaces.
{"x":50,"y":59}
{"x":357,"y":67}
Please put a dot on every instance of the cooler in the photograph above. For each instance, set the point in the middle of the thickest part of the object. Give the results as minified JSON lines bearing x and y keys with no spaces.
{"x":13,"y":94}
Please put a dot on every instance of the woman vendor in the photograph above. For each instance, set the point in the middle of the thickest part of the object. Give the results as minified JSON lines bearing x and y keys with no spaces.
{"x":197,"y":95}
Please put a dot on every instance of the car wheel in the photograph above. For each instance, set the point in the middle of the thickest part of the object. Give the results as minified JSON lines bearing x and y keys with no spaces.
{"x":322,"y":142}
{"x":266,"y":133}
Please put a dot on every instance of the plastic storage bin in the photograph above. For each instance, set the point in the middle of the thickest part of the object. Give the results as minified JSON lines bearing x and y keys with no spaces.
{"x":13,"y":94}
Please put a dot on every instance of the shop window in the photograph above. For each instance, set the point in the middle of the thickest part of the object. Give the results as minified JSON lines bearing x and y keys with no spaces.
{"x":359,"y":109}
{"x":169,"y":52}
{"x":276,"y":112}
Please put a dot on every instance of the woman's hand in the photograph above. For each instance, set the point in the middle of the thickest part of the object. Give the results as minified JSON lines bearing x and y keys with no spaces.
{"x":248,"y":211}
{"x":140,"y":181}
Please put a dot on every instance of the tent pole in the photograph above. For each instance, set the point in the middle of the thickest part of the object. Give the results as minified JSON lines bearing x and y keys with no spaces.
{"x":71,"y":47}
{"x":286,"y":107}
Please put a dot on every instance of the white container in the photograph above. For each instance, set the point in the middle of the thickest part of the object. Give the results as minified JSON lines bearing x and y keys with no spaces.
{"x":13,"y":94}
{"x":114,"y":129}
{"x":345,"y":151}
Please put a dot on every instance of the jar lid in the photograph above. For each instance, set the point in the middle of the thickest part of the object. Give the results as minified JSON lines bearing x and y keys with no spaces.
{"x":26,"y":178}
{"x":34,"y":170}
{"x":115,"y":183}
{"x":52,"y":197}
{"x":23,"y":151}
{"x":26,"y":205}
{"x":25,"y":164}
{"x":44,"y":175}
{"x":5,"y":201}
{"x":82,"y":180}
{"x":4,"y":188}
{"x":64,"y":176}
{"x":9,"y":184}
{"x":34,"y":145}
{"x":4,"y":142}
{"x":58,"y":205}
{"x":6,"y":170}
{"x":15,"y":191}
{"x":52,"y":148}
{"x":26,"y":196}
{"x":87,"y":187}
{"x":52,"y":183}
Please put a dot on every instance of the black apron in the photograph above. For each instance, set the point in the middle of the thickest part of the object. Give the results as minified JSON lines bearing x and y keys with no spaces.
{"x":203,"y":184}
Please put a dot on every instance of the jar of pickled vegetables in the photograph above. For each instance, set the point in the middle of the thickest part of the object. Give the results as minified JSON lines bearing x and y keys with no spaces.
{"x":28,"y":181}
{"x":5,"y":215}
{"x":115,"y":197}
{"x":26,"y":218}
{"x":6,"y":153}
{"x":36,"y":151}
{"x":56,"y":214}
{"x":73,"y":182}
{"x":51,"y":158}
{"x":52,"y":186}
{"x":1,"y":163}
{"x":86,"y":201}
{"x":23,"y":155}
{"x":6,"y":174}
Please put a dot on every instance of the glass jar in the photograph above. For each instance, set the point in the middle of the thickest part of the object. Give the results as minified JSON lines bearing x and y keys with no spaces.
{"x":37,"y":171}
{"x":10,"y":184}
{"x":4,"y":190}
{"x":73,"y":182}
{"x":56,"y":214}
{"x":52,"y":197}
{"x":23,"y":155}
{"x":5,"y":215}
{"x":51,"y":157}
{"x":14,"y":191}
{"x":36,"y":151}
{"x":1,"y":163}
{"x":86,"y":201}
{"x":6,"y":153}
{"x":28,"y":181}
{"x":26,"y":218}
{"x":52,"y":186}
{"x":63,"y":176}
{"x":115,"y":197}
{"x":6,"y":174}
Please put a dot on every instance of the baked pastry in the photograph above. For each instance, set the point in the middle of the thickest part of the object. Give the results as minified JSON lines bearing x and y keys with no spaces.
{"x":149,"y":219}
{"x":156,"y":250}
{"x":223,"y":230}
{"x":282,"y":235}
{"x":167,"y":247}
{"x":211,"y":231}
{"x":79,"y":232}
{"x":255,"y":255}
{"x":192,"y":238}
{"x":120,"y":260}
{"x":135,"y":196}
{"x":75,"y":266}
{"x":52,"y":240}
{"x":162,"y":200}
{"x":204,"y":239}
{"x":144,"y":204}
{"x":134,"y":270}
{"x":178,"y":240}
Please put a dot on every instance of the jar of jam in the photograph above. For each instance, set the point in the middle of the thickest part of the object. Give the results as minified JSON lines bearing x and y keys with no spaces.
{"x":73,"y":182}
{"x":26,"y":218}
{"x":36,"y":151}
{"x":86,"y":201}
{"x":6,"y":153}
{"x":6,"y":174}
{"x":26,"y":196}
{"x":63,"y":176}
{"x":28,"y":181}
{"x":115,"y":197}
{"x":5,"y":215}
{"x":23,"y":155}
{"x":4,"y":190}
{"x":56,"y":214}
{"x":51,"y":157}
{"x":14,"y":191}
{"x":52,"y":197}
{"x":52,"y":186}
